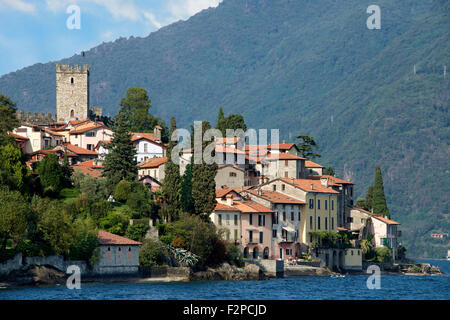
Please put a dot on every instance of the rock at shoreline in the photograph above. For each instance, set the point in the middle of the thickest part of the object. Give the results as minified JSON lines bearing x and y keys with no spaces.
{"x":228,"y":272}
{"x":35,"y":276}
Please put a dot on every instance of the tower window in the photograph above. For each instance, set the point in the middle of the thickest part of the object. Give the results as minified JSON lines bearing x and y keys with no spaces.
{"x":71,"y":80}
{"x":72,"y":113}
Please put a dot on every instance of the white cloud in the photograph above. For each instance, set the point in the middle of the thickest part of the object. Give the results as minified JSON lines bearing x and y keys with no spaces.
{"x":18,"y":5}
{"x":152,"y":19}
{"x":182,"y":9}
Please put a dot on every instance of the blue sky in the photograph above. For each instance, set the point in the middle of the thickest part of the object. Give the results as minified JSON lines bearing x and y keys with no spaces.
{"x":36,"y":31}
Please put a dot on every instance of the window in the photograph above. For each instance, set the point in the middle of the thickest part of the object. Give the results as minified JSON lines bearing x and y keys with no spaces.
{"x":109,"y":253}
{"x":299,"y":216}
{"x":228,"y":234}
{"x":145,"y":147}
{"x":72,"y":113}
{"x":220,"y":219}
{"x":90,"y":147}
{"x":235,"y":234}
{"x":351,"y":251}
{"x":286,"y":163}
{"x":332,"y":222}
{"x":292,"y":216}
{"x":318,"y":204}
{"x":311,"y":203}
{"x":119,"y":253}
{"x":359,"y":253}
{"x":235,"y":219}
{"x":91,"y":133}
{"x":232,"y":174}
{"x":326,"y":223}
{"x":274,"y":187}
{"x":318,"y":223}
{"x":274,"y":233}
{"x":228,"y":219}
{"x":261,"y":237}
{"x":284,"y":216}
{"x":310,"y":239}
{"x":326,"y":204}
{"x":129,"y":253}
{"x":250,"y":236}
{"x":261,"y":220}
{"x":286,"y":174}
{"x":283,"y":187}
{"x":71,"y":80}
{"x":251,"y":218}
{"x":332,"y":204}
{"x":310,"y":222}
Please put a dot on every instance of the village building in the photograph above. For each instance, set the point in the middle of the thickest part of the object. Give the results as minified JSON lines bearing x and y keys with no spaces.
{"x":148,"y":145}
{"x":118,"y":255}
{"x":153,"y":167}
{"x":313,"y":168}
{"x":89,"y":134}
{"x":38,"y":137}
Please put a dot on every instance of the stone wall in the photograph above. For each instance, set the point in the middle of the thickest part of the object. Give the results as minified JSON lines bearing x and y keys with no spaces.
{"x":12,"y":264}
{"x":273,"y":268}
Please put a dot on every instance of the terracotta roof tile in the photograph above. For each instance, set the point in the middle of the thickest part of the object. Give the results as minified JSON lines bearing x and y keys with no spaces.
{"x":91,"y":125}
{"x":305,"y":185}
{"x":79,"y":150}
{"x":224,"y":207}
{"x":89,"y":171}
{"x":152,"y":163}
{"x":249,"y":206}
{"x":276,"y":197}
{"x":311,"y":164}
{"x":106,"y":238}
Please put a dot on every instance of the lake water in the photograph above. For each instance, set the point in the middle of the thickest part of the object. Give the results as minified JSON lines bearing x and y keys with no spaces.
{"x":393,"y":287}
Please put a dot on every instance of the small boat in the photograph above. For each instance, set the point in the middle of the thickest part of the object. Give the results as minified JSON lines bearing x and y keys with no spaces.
{"x":336,"y":276}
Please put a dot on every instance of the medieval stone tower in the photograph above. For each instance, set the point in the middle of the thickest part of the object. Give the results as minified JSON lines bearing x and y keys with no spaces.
{"x":72,"y":92}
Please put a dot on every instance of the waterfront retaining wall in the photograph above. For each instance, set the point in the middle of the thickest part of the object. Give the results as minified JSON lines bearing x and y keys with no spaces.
{"x":273,"y":268}
{"x":12,"y":264}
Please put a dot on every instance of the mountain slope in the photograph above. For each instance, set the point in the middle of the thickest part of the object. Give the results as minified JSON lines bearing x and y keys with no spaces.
{"x":304,"y":66}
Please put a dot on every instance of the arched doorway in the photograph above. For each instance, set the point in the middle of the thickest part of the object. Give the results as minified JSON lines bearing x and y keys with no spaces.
{"x":266,"y":253}
{"x":245,"y":252}
{"x":255,"y":253}
{"x":72,"y":113}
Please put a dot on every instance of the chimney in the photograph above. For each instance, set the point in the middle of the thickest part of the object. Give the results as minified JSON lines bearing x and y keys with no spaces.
{"x":229,"y":199}
{"x":259,"y":191}
{"x":312,"y":186}
{"x":157,"y":132}
{"x":324,"y":182}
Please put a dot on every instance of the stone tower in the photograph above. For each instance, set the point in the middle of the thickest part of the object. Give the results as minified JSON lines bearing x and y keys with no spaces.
{"x":72,"y":92}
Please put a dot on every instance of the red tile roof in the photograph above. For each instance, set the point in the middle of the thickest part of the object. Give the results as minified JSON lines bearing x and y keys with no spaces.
{"x":281,"y":146}
{"x":250,"y":206}
{"x":283,"y":156}
{"x":305,"y":185}
{"x":331,"y":180}
{"x":152,"y":163}
{"x":79,"y":150}
{"x":224,"y":207}
{"x":144,"y":135}
{"x":222,"y":192}
{"x":78,"y":122}
{"x":93,"y":164}
{"x":91,"y":125}
{"x":89,"y":171}
{"x":311,"y":164}
{"x":385,"y":220}
{"x":17,"y":136}
{"x":276,"y":197}
{"x":106,"y":238}
{"x":53,"y":133}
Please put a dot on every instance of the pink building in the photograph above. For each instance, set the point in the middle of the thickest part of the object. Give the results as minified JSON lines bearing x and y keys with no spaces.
{"x":89,"y":134}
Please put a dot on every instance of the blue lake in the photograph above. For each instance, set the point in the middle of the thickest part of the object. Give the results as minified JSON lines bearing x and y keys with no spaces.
{"x":393,"y":287}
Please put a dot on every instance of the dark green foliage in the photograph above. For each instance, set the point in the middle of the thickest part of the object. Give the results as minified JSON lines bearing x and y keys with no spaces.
{"x":96,"y":188}
{"x":383,"y":254}
{"x":307,"y":147}
{"x":13,"y":217}
{"x":232,"y":121}
{"x":172,"y":179}
{"x":187,"y":202}
{"x":329,"y":171}
{"x":8,"y":120}
{"x":136,"y":231}
{"x":115,"y":223}
{"x":140,"y":201}
{"x":203,"y":182}
{"x":122,"y":191}
{"x":13,"y":171}
{"x":85,"y":241}
{"x":368,"y":204}
{"x":51,"y":175}
{"x":135,"y":108}
{"x":379,"y":199}
{"x":119,"y":163}
{"x":152,"y":253}
{"x":67,"y":171}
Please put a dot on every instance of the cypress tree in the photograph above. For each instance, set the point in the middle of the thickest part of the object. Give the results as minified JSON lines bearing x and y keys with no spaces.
{"x":172,"y":179}
{"x":119,"y":161}
{"x":221,"y":123}
{"x":379,"y":199}
{"x":187,"y":202}
{"x":368,"y":205}
{"x":203,"y":182}
{"x":67,"y":170}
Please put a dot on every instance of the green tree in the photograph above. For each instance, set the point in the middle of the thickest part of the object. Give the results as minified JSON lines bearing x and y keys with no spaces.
{"x":13,"y":217}
{"x":8,"y":120}
{"x":152,"y":253}
{"x":119,"y":162}
{"x":140,"y":201}
{"x":85,"y":241}
{"x":307,"y":147}
{"x":368,"y":203}
{"x":232,"y":121}
{"x":115,"y":223}
{"x":329,"y":171}
{"x":67,"y":171}
{"x":221,"y":123}
{"x":122,"y":191}
{"x":187,"y":202}
{"x":172,"y":179}
{"x":203,"y":182}
{"x":137,"y":231}
{"x":13,"y":165}
{"x":51,"y":174}
{"x":379,"y":199}
{"x":56,"y":227}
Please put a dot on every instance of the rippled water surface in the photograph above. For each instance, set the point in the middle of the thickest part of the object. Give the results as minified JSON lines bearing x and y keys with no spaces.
{"x":316,"y":288}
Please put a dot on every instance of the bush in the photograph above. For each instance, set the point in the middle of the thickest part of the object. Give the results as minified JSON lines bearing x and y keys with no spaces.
{"x":83,"y":203}
{"x":152,"y":253}
{"x":100,"y":209}
{"x":115,"y":223}
{"x":85,"y":241}
{"x":122,"y":191}
{"x":234,"y":255}
{"x":383,"y":254}
{"x":137,"y":231}
{"x":178,"y":242}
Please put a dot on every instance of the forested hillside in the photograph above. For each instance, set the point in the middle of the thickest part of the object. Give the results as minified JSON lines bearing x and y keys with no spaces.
{"x":304,"y":66}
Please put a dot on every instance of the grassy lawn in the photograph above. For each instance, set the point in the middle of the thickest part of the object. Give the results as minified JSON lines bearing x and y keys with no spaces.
{"x":68,"y":195}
